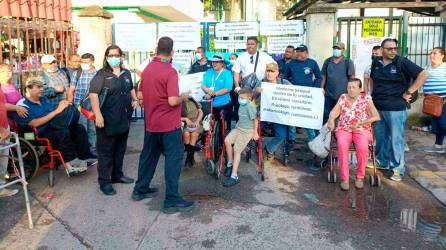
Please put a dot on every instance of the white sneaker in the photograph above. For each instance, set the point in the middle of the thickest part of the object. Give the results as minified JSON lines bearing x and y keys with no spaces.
{"x":8,"y":192}
{"x":74,"y":169}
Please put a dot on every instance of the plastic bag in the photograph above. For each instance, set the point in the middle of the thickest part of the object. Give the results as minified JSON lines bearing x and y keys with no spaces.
{"x":320,"y":146}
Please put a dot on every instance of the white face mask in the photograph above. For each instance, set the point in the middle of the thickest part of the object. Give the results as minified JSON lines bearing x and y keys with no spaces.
{"x":85,"y":66}
{"x":50,"y":71}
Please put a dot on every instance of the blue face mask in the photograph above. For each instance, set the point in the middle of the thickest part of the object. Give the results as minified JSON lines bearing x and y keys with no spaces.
{"x":114,"y":61}
{"x":242,"y":102}
{"x":337,"y":52}
{"x":198,"y":57}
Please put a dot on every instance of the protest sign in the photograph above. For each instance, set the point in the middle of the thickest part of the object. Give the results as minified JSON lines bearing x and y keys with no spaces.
{"x":236,"y":29}
{"x":361,"y":50}
{"x":182,"y":61}
{"x":291,"y":105}
{"x":373,"y":27}
{"x":135,"y":36}
{"x":277,"y":45}
{"x":185,"y":35}
{"x":229,"y":44}
{"x":278,"y":28}
{"x":192,"y":84}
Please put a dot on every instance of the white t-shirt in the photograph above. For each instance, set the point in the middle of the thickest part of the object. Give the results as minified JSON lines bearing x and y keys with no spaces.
{"x":244,"y":66}
{"x":143,"y":65}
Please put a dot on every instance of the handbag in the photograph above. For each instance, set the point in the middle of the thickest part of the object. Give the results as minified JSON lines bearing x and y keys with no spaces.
{"x":320,"y":145}
{"x":251,"y":80}
{"x":433,"y":105}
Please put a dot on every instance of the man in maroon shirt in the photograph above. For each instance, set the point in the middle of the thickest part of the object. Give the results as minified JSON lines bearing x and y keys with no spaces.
{"x":162,"y":107}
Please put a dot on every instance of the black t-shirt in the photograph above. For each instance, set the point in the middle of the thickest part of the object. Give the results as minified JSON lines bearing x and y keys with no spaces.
{"x":389,"y":84}
{"x":197,"y":67}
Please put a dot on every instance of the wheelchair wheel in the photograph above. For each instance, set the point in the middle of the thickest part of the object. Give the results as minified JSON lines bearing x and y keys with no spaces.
{"x":30,"y":159}
{"x":210,"y":167}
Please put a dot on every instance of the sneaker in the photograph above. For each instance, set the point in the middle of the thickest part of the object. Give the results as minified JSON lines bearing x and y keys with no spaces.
{"x":230,"y":182}
{"x":344,"y":185}
{"x":182,"y":206}
{"x":227,"y":171}
{"x":396,"y":176}
{"x":70,"y":169}
{"x":359,"y":183}
{"x":8,"y":192}
{"x":434,"y":149}
{"x":150,"y":194}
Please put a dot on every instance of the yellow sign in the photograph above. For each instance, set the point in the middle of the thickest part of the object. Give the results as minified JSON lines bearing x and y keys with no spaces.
{"x":373,"y":27}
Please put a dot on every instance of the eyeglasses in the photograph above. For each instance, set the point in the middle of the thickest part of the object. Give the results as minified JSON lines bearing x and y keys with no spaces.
{"x":252,"y":59}
{"x":117,"y":56}
{"x":390,"y":49}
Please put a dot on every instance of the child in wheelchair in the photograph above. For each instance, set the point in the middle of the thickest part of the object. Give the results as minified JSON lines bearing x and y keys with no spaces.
{"x":240,"y":136}
{"x":191,"y":116}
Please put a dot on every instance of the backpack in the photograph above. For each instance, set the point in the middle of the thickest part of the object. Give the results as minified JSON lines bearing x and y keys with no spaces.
{"x":399,"y":67}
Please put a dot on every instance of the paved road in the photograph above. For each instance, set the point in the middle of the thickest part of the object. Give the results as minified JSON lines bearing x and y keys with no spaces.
{"x":294,"y":208}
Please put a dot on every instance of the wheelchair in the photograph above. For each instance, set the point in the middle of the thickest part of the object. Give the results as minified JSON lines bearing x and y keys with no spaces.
{"x":36,"y":151}
{"x":214,"y":149}
{"x":259,"y":149}
{"x":374,"y":179}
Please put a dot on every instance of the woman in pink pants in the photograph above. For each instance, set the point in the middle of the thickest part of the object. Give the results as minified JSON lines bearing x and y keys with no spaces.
{"x":356,"y":113}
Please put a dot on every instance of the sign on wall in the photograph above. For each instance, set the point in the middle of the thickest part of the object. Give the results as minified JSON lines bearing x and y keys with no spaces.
{"x":229,"y":44}
{"x":278,"y":28}
{"x":291,"y":105}
{"x":185,"y":35}
{"x":236,"y":29}
{"x":277,"y":45}
{"x":373,"y":27}
{"x":135,"y":36}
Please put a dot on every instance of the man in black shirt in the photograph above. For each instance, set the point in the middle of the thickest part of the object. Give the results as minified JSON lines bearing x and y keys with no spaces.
{"x":287,"y":57}
{"x":392,"y":95}
{"x":201,"y":62}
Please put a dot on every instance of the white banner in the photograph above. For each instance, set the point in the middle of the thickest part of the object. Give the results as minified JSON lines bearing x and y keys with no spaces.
{"x":229,"y":44}
{"x":278,"y":28}
{"x":361,"y":53}
{"x":185,"y":36}
{"x":236,"y":29}
{"x":291,"y":105}
{"x":182,"y":61}
{"x":277,"y":45}
{"x":135,"y":36}
{"x":192,"y":84}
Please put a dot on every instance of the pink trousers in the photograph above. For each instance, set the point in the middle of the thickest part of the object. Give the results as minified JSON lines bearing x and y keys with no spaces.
{"x":361,"y":140}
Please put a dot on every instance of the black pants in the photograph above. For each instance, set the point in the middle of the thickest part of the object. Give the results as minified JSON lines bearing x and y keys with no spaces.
{"x":72,"y":143}
{"x":235,"y":104}
{"x":170,"y":144}
{"x":227,"y":111}
{"x":111,"y":151}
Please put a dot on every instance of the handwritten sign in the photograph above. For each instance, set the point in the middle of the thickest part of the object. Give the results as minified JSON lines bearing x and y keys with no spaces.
{"x":278,"y":28}
{"x":185,"y":35}
{"x":277,"y":45}
{"x":135,"y":36}
{"x":192,"y":84}
{"x":291,"y":105}
{"x":236,"y":29}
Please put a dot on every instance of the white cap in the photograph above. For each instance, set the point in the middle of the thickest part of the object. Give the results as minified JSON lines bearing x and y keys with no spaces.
{"x":47,"y":59}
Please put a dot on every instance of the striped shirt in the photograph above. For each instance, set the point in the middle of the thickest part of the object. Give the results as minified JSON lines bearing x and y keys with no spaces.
{"x":436,"y":83}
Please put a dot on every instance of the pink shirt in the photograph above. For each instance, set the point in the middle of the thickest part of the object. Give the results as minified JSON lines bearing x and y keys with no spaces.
{"x":354,"y":113}
{"x":12,"y":95}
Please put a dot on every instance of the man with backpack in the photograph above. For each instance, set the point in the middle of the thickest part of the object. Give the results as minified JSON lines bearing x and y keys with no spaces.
{"x":78,"y":91}
{"x":392,"y":93}
{"x":336,"y":71}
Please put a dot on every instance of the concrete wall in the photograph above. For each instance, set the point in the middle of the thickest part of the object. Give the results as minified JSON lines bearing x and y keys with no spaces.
{"x":95,"y":37}
{"x":320,"y":33}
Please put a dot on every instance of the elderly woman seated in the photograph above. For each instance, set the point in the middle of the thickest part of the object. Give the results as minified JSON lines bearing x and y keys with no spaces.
{"x":191,"y":116}
{"x":356,"y":113}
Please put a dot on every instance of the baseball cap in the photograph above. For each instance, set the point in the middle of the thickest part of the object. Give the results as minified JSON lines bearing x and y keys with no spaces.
{"x":218,"y":58}
{"x":47,"y":59}
{"x":272,"y":67}
{"x":34,"y":81}
{"x":340,"y":45}
{"x":301,"y":47}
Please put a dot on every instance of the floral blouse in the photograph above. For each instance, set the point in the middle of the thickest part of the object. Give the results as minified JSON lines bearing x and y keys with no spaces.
{"x":353,"y":113}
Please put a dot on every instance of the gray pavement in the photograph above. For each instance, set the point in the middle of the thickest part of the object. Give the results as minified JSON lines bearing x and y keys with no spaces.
{"x":294,"y":208}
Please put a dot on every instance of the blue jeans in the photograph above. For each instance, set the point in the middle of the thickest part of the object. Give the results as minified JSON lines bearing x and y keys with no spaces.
{"x":280,"y":134}
{"x":292,"y":135}
{"x":91,"y":132}
{"x":311,"y":134}
{"x":440,"y":126}
{"x":170,"y":144}
{"x":389,"y":134}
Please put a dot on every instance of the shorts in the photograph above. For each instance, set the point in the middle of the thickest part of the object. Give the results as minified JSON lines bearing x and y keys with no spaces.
{"x":240,"y":137}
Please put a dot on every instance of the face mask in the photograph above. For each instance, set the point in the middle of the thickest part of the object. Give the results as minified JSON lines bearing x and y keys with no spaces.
{"x":114,"y":61}
{"x":50,"y":71}
{"x":232,"y":62}
{"x":85,"y":66}
{"x":198,"y":57}
{"x":375,"y":57}
{"x":242,"y":102}
{"x":337,"y":53}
